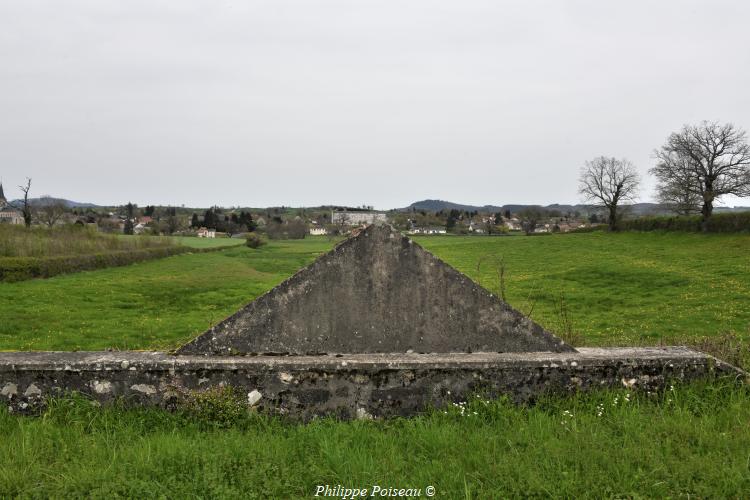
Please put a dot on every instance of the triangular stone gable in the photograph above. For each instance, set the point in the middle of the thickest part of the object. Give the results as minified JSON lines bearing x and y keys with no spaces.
{"x":379,"y":292}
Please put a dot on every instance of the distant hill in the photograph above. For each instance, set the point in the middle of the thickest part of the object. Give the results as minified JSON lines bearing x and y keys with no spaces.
{"x":437,"y":205}
{"x":46,"y":200}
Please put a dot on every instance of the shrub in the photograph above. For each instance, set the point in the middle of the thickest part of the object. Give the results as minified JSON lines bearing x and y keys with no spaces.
{"x":216,"y":407}
{"x":589,"y":229}
{"x":254,"y":240}
{"x":728,"y":347}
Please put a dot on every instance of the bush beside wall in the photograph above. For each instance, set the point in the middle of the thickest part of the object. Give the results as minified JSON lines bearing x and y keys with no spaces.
{"x":24,"y":268}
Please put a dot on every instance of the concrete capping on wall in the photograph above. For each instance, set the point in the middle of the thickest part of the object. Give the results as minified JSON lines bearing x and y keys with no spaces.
{"x":348,"y":386}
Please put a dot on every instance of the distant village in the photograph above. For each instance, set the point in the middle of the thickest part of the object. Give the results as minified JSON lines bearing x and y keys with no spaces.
{"x":285,"y":222}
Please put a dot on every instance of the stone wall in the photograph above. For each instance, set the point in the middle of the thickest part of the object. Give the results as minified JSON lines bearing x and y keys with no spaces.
{"x":349,"y":386}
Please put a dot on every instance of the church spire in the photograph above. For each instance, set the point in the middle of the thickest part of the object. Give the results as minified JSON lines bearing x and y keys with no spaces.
{"x":2,"y":195}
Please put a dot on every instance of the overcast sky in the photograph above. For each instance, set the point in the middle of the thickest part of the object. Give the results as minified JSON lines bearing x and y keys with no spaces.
{"x":354,"y":102}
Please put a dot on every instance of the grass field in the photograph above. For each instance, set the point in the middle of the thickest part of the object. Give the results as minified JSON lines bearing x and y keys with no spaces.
{"x":691,"y":442}
{"x":193,"y":242}
{"x":618,"y":289}
{"x":628,"y":288}
{"x":621,"y":289}
{"x":155,"y":304}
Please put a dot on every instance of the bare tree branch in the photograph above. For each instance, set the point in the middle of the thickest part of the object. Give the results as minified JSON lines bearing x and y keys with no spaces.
{"x":26,"y":208}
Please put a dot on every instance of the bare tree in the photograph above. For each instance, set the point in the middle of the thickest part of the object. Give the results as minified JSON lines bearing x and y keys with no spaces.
{"x":49,"y":210}
{"x":25,"y":207}
{"x":707,"y":161}
{"x":609,"y":183}
{"x":343,"y":222}
{"x":530,"y":218}
{"x":174,"y":223}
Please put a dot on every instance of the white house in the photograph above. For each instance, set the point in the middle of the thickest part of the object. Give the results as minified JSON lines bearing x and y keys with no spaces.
{"x":513,"y":224}
{"x":427,"y":230}
{"x":475,"y":228}
{"x":318,"y":231}
{"x":206,"y":233}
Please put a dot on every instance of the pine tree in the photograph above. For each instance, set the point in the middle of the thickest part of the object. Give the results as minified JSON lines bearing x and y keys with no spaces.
{"x":209,"y":219}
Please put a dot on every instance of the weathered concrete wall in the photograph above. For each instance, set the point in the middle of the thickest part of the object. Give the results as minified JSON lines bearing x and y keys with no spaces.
{"x":376,"y":292}
{"x":348,"y":386}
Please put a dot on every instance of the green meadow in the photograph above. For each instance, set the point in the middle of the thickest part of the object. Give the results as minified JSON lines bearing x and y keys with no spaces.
{"x":193,"y":242}
{"x":157,"y":304}
{"x":691,"y":442}
{"x":616,"y":289}
{"x":594,"y":288}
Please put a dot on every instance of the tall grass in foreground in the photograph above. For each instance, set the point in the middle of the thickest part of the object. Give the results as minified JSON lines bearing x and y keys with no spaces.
{"x":689,"y":441}
{"x":68,"y":240}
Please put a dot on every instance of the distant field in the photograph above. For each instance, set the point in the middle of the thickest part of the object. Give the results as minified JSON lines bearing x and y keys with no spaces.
{"x":621,"y":289}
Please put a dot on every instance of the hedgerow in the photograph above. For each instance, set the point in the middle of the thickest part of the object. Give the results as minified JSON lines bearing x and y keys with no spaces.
{"x":735,"y":222}
{"x":24,"y":268}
